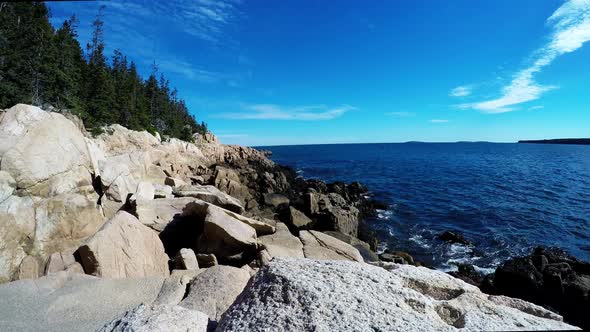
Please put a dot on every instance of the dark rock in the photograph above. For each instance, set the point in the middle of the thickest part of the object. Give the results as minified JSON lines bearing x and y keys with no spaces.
{"x":540,"y":262}
{"x":275,"y":200}
{"x":467,"y":273}
{"x":206,"y":260}
{"x":549,"y":277}
{"x":398,"y":257}
{"x":519,"y":278}
{"x":452,"y":237}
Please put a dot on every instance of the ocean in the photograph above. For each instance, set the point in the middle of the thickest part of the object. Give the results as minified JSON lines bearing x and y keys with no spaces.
{"x":505,"y":198}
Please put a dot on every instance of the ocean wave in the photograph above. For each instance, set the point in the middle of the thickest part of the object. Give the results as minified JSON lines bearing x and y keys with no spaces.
{"x":420,"y":241}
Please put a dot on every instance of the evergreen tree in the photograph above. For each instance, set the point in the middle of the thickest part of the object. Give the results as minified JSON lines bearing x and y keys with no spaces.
{"x":100,"y":90}
{"x":41,"y":66}
{"x":69,"y":69}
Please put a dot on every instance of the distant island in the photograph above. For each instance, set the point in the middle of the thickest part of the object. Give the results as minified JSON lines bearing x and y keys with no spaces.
{"x":576,"y":141}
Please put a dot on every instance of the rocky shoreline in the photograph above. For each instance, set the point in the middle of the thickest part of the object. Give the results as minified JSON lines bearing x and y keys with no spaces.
{"x":128,"y":231}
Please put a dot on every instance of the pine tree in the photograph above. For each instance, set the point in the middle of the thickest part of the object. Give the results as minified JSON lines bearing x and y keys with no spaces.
{"x":70,"y":68}
{"x":99,"y":87}
{"x":41,"y":66}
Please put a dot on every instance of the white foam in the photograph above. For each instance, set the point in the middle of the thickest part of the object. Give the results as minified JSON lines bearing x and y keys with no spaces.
{"x":419,"y":240}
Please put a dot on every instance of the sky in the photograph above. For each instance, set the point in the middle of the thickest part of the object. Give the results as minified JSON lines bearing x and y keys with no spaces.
{"x":313,"y":72}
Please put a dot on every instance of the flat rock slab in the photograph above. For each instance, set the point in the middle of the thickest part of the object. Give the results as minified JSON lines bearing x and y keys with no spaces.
{"x":310,"y":295}
{"x":211,"y":195}
{"x":317,"y":245}
{"x":158,"y":213}
{"x":71,"y":302}
{"x":282,"y":243}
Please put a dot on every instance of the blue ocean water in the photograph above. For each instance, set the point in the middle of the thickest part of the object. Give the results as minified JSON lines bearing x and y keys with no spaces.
{"x":505,"y":198}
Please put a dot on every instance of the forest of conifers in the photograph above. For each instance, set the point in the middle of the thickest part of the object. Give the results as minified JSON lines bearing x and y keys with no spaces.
{"x":42,"y":66}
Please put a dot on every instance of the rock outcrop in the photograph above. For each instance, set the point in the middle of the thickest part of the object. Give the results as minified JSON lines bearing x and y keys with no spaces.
{"x":304,"y":295}
{"x":549,"y":277}
{"x":176,"y":230}
{"x":318,"y":245}
{"x":124,"y":248}
{"x":211,"y":195}
{"x":71,"y":302}
{"x":282,"y":243}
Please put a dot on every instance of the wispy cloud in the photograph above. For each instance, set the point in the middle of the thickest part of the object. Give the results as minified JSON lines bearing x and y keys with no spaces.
{"x":439,"y":121}
{"x":135,"y":27}
{"x":400,"y":114}
{"x":193,"y":73}
{"x":461,"y":91}
{"x":277,"y":112}
{"x":570,"y":25}
{"x":538,"y":107}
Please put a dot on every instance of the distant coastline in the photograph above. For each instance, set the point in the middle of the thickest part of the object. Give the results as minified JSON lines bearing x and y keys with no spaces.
{"x":574,"y":141}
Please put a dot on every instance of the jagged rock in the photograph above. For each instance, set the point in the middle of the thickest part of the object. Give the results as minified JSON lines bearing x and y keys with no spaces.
{"x":282,"y":243}
{"x":363,"y":247}
{"x":211,"y":195}
{"x":157,"y":214}
{"x":296,"y":218}
{"x":333,"y":212}
{"x":71,"y":302}
{"x":186,"y":260}
{"x":117,"y":140}
{"x":174,"y":182}
{"x":318,"y":245}
{"x":145,"y":191}
{"x":215,"y":289}
{"x":275,"y":200}
{"x":303,"y":295}
{"x":159,"y":319}
{"x":7,"y":185}
{"x":28,"y":269}
{"x":398,"y":257}
{"x":206,"y":260}
{"x":124,"y":248}
{"x":549,"y":276}
{"x":120,"y":174}
{"x":467,"y":273}
{"x":175,"y":286}
{"x":223,"y":234}
{"x":207,"y":138}
{"x":37,"y":145}
{"x":453,"y":237}
{"x":162,"y":191}
{"x":227,"y":180}
{"x":199,"y":207}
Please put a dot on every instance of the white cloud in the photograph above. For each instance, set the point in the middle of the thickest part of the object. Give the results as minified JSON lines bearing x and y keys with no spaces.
{"x":461,"y":91}
{"x":439,"y":121}
{"x":538,"y":107}
{"x":401,"y":114}
{"x":570,"y":25}
{"x":276,"y":112}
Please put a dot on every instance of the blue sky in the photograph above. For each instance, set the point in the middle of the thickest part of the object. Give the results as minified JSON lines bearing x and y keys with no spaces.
{"x":306,"y":72}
